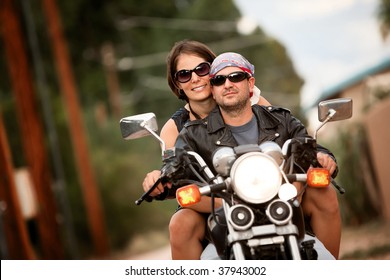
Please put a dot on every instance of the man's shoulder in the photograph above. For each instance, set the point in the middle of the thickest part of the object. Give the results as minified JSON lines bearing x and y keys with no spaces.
{"x":194,"y":123}
{"x":271,"y":108}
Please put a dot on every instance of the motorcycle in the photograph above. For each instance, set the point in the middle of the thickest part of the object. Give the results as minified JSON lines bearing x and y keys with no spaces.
{"x":260,"y":217}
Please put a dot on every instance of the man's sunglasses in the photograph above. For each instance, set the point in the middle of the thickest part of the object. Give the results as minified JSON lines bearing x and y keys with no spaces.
{"x":234,"y":77}
{"x":183,"y":76}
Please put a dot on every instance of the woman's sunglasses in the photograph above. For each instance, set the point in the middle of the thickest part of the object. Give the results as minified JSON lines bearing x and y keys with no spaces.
{"x":183,"y":76}
{"x":234,"y":77}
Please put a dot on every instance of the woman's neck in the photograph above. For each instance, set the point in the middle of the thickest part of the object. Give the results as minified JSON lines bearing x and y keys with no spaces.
{"x":200,"y":108}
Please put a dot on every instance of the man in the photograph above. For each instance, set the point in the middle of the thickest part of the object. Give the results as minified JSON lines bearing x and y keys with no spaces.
{"x":234,"y":122}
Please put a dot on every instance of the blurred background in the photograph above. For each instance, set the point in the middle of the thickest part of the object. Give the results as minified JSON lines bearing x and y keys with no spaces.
{"x":70,"y":70}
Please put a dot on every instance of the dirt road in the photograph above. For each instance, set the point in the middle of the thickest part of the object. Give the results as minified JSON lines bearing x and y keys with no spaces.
{"x":371,"y":241}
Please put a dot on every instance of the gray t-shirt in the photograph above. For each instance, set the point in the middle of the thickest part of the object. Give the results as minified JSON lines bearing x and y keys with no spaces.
{"x":247,"y":133}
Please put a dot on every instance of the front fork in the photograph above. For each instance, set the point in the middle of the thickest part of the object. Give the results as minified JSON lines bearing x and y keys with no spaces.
{"x":238,"y":252}
{"x":294,"y":247}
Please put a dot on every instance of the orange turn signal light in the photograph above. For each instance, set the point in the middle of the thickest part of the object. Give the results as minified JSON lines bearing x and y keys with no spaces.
{"x":318,"y":177}
{"x":188,"y":195}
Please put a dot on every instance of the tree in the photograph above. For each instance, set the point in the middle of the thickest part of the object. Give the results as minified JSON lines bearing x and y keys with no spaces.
{"x":384,"y":17}
{"x":141,"y":32}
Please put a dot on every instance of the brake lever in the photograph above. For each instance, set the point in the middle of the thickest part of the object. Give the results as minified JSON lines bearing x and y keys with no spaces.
{"x":146,"y":195}
{"x":337,"y":186}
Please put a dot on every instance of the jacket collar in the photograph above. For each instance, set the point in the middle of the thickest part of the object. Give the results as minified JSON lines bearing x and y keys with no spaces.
{"x":263,"y":114}
{"x":215,"y":121}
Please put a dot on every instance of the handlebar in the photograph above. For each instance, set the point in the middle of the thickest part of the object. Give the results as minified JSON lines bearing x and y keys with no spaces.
{"x":302,"y":178}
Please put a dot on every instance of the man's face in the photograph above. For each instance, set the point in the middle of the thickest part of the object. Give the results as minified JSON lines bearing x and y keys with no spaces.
{"x":232,"y":95}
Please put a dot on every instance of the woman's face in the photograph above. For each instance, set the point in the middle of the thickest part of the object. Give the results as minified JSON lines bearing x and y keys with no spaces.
{"x":198,"y":87}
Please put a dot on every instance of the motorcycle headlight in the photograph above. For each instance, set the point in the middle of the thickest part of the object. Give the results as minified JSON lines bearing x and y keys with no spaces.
{"x":256,"y":177}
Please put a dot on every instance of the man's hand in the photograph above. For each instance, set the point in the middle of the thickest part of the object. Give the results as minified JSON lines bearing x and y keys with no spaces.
{"x":327,"y":162}
{"x":149,"y":181}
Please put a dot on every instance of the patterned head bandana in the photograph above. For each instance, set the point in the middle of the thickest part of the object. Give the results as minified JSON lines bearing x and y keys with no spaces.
{"x":231,"y":59}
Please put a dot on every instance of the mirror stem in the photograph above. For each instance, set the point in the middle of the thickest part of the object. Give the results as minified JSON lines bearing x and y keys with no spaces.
{"x":144,"y":125}
{"x":331,"y":113}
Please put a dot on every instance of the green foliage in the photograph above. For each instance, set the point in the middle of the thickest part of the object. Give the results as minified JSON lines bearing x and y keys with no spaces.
{"x":350,"y":149}
{"x":383,"y":14}
{"x":137,"y":30}
{"x":120,"y":169}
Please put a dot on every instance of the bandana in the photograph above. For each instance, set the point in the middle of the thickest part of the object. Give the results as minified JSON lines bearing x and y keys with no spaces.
{"x":231,"y":59}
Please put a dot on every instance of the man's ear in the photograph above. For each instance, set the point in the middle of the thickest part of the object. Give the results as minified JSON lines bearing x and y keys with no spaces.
{"x":251,"y":81}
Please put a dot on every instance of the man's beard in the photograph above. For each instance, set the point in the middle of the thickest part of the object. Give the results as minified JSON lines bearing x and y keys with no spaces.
{"x":235,"y":108}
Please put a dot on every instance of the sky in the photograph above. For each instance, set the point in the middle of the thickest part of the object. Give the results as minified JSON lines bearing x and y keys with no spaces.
{"x":328,"y":41}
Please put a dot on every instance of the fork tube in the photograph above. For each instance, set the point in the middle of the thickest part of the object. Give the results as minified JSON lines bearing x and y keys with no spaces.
{"x":293,"y":244}
{"x":237,"y":248}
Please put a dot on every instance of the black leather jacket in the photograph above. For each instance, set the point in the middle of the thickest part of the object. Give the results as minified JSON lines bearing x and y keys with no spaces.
{"x":274,"y":124}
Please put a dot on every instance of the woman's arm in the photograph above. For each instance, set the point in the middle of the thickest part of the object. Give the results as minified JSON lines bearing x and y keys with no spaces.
{"x":169,"y":133}
{"x":263,"y":101}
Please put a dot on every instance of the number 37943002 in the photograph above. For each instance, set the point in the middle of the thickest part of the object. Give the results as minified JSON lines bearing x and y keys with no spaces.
{"x":242,"y":270}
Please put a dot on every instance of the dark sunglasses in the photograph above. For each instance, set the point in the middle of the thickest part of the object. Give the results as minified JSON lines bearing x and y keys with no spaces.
{"x":234,"y":77}
{"x":183,"y":76}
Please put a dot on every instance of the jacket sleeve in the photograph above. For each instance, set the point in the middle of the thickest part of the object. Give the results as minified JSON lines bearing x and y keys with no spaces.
{"x":182,"y":141}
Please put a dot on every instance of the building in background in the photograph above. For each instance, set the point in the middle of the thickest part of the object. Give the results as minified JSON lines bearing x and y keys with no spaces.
{"x":370,"y":92}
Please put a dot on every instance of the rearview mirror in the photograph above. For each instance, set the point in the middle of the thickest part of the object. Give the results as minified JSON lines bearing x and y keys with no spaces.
{"x":341,"y":108}
{"x":138,"y":126}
